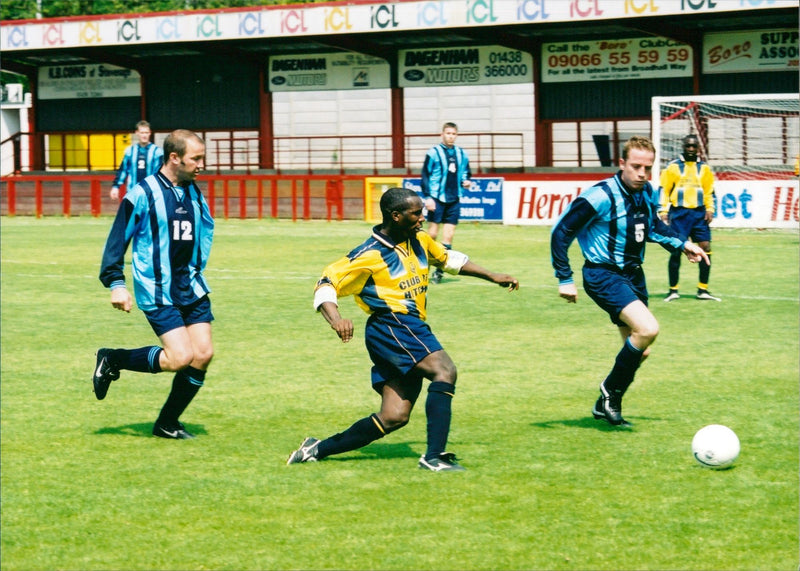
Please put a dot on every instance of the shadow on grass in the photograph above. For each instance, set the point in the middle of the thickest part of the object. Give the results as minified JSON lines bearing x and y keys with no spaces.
{"x":144,"y":429}
{"x":378,"y":450}
{"x":585,"y":422}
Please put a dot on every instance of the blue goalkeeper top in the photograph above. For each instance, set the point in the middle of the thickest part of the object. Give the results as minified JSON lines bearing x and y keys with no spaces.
{"x":172,"y":230}
{"x":612,"y":224}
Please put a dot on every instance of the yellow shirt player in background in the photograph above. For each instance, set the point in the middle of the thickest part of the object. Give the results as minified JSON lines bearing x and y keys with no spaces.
{"x":388,"y":275}
{"x":687,"y":205}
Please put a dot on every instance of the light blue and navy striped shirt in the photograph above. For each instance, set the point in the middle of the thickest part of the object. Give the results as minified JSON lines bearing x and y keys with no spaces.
{"x":612,"y":224}
{"x":437,"y":173}
{"x":172,"y":230}
{"x":137,"y":163}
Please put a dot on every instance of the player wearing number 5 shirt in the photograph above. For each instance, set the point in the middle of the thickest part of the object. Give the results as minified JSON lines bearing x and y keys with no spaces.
{"x":612,"y":220}
{"x":171,"y":227}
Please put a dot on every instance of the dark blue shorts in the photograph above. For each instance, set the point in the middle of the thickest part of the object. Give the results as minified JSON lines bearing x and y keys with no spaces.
{"x":446,"y":212}
{"x":169,"y":317}
{"x":690,"y":223}
{"x":613,"y":289}
{"x":396,"y":343}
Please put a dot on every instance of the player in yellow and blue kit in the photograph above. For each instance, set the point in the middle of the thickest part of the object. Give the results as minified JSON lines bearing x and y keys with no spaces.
{"x":388,"y":275}
{"x":687,"y":205}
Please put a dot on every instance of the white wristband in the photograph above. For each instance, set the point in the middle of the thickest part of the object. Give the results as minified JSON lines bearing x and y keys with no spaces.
{"x":323,"y":294}
{"x":455,"y":261}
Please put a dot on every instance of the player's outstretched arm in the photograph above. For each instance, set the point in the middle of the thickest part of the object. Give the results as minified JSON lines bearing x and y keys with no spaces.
{"x":503,"y":280}
{"x":342,"y":326}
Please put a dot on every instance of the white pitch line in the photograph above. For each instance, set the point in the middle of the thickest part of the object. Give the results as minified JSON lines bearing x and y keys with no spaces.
{"x":465,"y":283}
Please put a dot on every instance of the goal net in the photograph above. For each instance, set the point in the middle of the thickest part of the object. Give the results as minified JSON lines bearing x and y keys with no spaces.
{"x":742,"y":137}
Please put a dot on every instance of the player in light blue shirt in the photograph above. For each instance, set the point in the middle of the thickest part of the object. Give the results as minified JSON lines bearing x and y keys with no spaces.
{"x":445,"y":177}
{"x":171,"y":227}
{"x":140,"y":160}
{"x":612,"y":221}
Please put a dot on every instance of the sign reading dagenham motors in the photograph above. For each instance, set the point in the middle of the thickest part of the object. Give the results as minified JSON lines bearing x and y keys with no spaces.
{"x":483,"y":65}
{"x":314,"y":72}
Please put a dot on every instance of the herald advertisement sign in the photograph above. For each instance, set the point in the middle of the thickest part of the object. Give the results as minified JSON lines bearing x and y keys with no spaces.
{"x":739,"y":204}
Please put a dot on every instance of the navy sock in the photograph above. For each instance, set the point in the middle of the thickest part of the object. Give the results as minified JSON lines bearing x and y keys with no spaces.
{"x":185,"y":385}
{"x":142,"y":360}
{"x":438,"y":409}
{"x":673,"y":269}
{"x":625,"y":366}
{"x":360,"y":434}
{"x":705,"y":271}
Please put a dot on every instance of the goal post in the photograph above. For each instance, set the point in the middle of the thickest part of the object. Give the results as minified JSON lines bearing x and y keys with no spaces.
{"x":742,"y":137}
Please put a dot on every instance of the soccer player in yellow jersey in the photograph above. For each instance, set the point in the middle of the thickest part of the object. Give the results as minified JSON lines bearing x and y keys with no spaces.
{"x":687,"y":205}
{"x":388,"y":275}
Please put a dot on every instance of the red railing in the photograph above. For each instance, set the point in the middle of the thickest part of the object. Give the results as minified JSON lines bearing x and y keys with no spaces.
{"x":331,"y":197}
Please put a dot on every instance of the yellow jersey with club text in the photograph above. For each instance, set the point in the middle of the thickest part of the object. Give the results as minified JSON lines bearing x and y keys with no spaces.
{"x":384,"y":276}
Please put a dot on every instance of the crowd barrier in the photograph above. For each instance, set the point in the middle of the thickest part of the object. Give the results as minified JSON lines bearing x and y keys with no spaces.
{"x":517,"y":199}
{"x":331,"y":197}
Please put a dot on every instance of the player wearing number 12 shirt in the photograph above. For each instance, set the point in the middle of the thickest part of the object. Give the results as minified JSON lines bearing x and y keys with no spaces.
{"x":171,"y":227}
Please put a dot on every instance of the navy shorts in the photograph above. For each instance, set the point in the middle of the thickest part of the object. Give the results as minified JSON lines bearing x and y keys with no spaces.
{"x":446,"y":212}
{"x":690,"y":223}
{"x":613,"y":289}
{"x":169,"y":317}
{"x":396,"y":343}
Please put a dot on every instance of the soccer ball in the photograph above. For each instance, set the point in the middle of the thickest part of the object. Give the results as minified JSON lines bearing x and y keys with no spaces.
{"x":715,"y":446}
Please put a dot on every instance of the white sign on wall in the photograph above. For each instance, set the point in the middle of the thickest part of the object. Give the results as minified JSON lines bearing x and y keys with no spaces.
{"x":739,"y":204}
{"x":87,"y":81}
{"x":539,"y":202}
{"x":757,"y":204}
{"x":314,"y":72}
{"x":469,"y":65}
{"x":602,"y":60}
{"x":758,"y":50}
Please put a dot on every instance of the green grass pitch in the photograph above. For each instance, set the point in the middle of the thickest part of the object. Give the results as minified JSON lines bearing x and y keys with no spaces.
{"x":85,"y":486}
